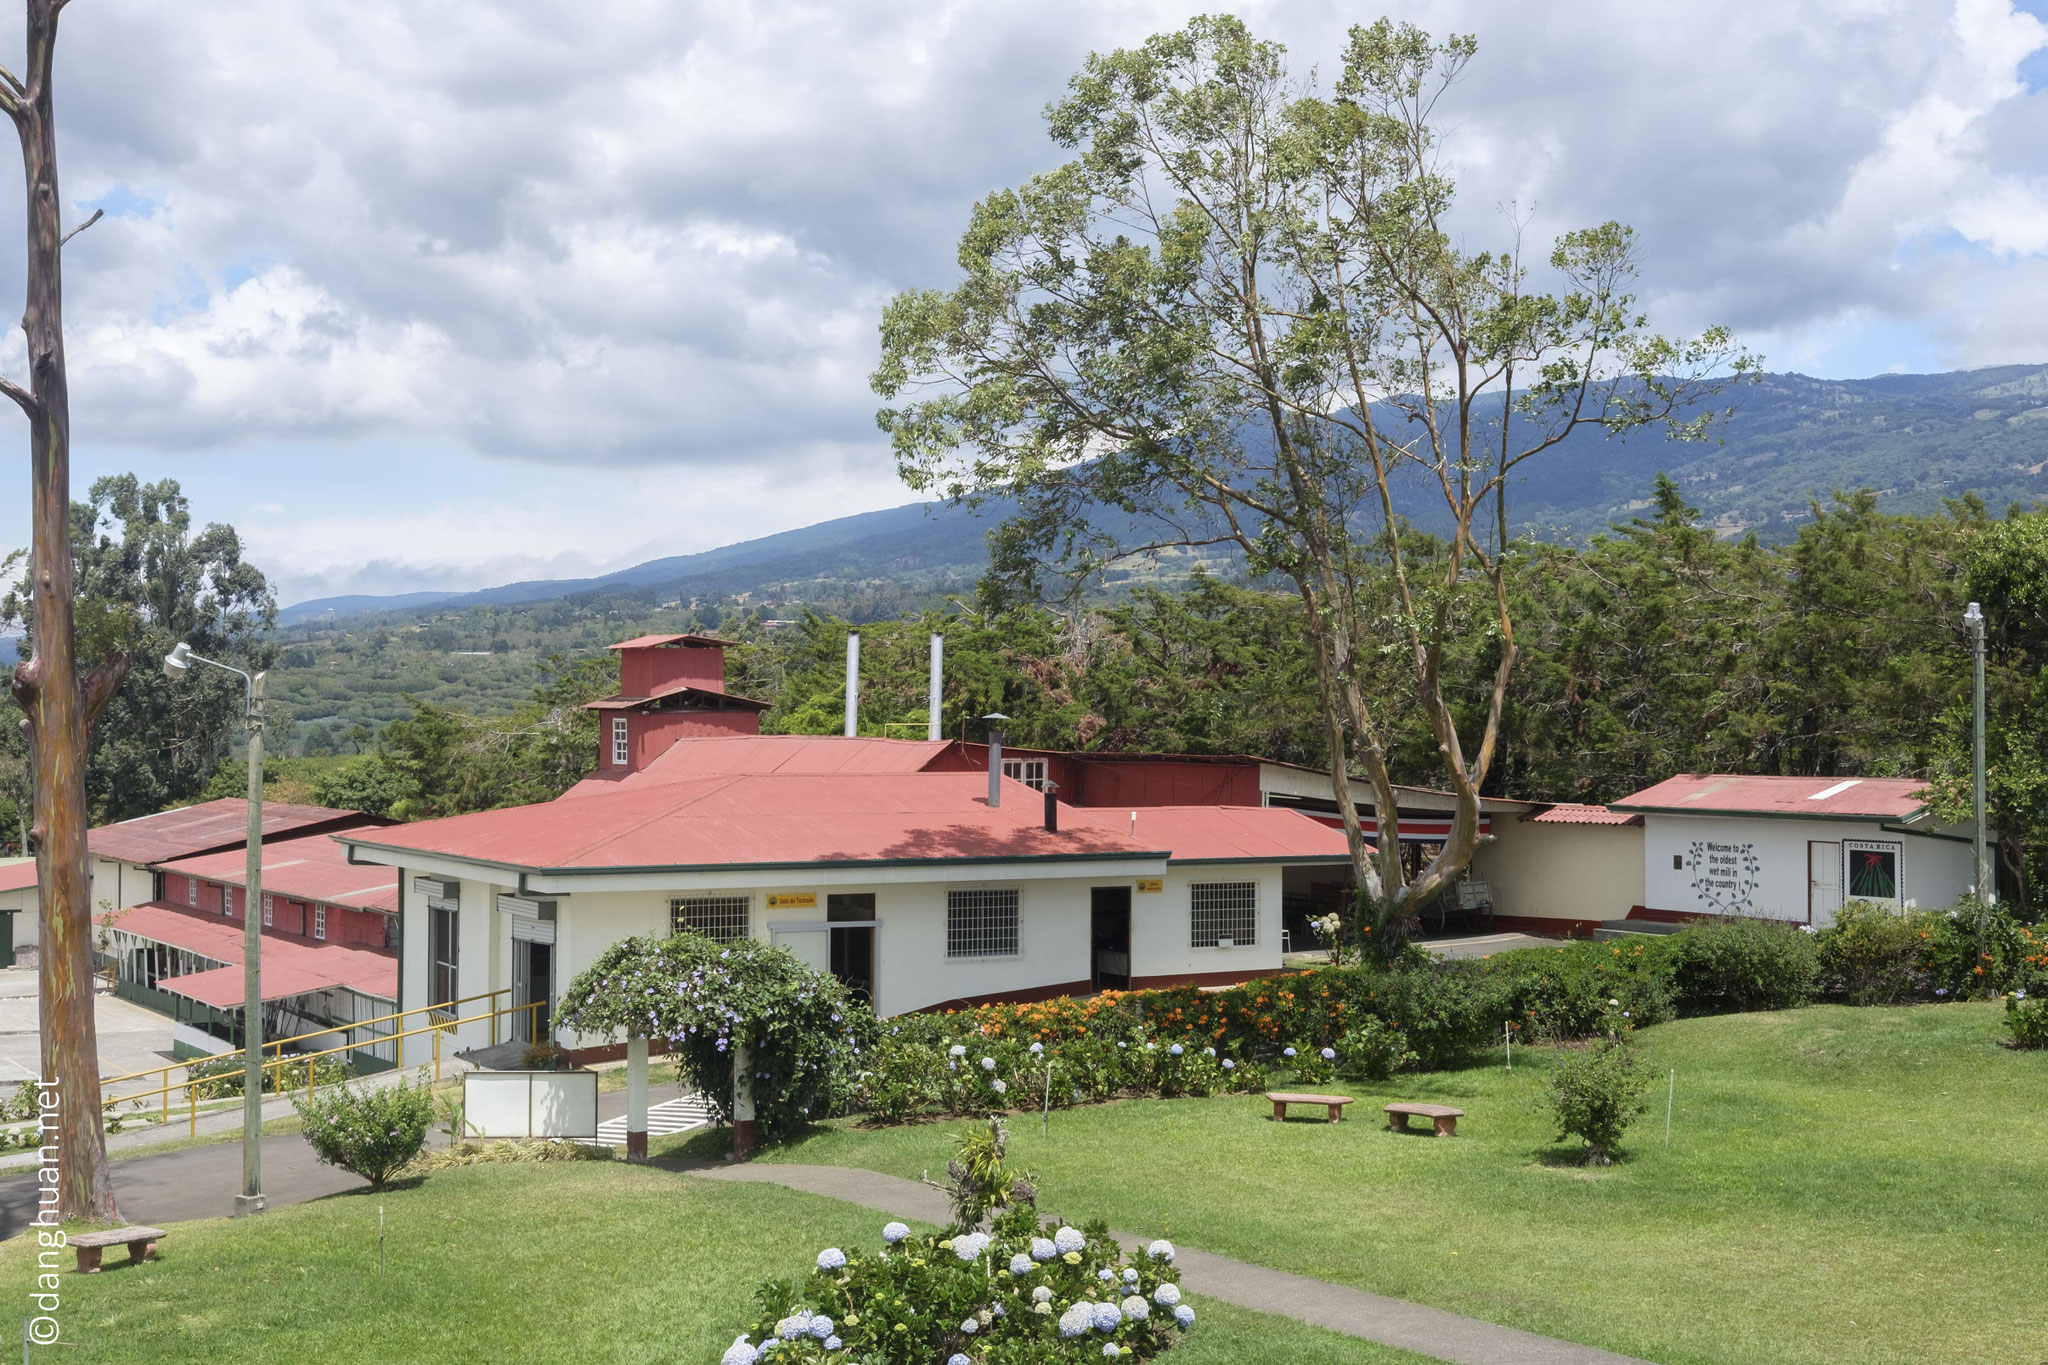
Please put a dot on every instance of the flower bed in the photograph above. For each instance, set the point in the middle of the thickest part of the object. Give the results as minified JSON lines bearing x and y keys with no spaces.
{"x":1019,"y":1294}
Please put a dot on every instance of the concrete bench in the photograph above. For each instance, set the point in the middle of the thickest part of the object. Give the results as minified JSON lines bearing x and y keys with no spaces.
{"x":1446,"y":1117}
{"x":1281,"y":1099}
{"x":141,"y":1245}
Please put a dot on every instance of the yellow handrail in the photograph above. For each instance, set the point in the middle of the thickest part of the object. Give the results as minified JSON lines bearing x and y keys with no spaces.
{"x":278,"y":1082}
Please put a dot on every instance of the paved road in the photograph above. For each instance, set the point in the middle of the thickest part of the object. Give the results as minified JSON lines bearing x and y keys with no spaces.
{"x":131,"y":1037}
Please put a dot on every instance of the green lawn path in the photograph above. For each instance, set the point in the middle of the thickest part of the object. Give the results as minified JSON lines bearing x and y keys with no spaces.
{"x":580,"y":1261}
{"x":1841,"y":1184}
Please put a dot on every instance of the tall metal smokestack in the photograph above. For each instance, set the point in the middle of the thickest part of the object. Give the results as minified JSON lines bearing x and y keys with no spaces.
{"x":938,"y":683}
{"x":852,"y":686}
{"x":995,"y":757}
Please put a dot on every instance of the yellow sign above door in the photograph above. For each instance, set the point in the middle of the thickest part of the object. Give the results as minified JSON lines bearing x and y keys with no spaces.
{"x":794,"y":900}
{"x":1151,"y":884}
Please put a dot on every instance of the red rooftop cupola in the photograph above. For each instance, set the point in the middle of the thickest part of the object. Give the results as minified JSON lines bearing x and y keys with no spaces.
{"x":670,"y":687}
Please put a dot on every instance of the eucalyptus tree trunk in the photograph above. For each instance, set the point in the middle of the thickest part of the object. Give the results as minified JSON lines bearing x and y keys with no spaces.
{"x":59,"y":706}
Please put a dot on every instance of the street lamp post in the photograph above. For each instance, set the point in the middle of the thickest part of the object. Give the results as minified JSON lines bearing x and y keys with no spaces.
{"x":1973,"y":620}
{"x":176,"y":664}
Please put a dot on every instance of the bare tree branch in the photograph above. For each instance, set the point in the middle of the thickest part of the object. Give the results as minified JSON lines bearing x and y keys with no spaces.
{"x":31,"y":408}
{"x":97,"y":214}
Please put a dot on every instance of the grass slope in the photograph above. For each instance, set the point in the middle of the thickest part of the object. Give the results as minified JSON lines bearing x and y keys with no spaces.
{"x":586,"y":1261}
{"x":1841,"y":1185}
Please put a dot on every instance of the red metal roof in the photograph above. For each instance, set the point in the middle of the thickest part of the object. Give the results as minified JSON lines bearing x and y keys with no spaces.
{"x":1574,"y":813}
{"x":207,"y":827}
{"x":656,"y":641}
{"x":758,"y":755}
{"x":1226,"y":833}
{"x":18,"y":876}
{"x":291,"y":965}
{"x":621,"y":702}
{"x":777,"y":819}
{"x":311,"y":867}
{"x":1887,"y":798}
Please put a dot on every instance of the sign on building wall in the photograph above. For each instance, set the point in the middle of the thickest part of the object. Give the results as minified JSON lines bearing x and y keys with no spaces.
{"x":1151,"y":884}
{"x":794,"y":900}
{"x":1724,"y":876}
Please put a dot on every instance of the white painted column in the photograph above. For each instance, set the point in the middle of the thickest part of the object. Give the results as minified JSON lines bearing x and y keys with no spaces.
{"x":636,"y":1097}
{"x":742,"y":1096}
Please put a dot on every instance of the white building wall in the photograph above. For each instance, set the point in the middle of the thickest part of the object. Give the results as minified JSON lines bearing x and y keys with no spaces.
{"x":1161,"y":926}
{"x":1759,"y":865}
{"x":1562,"y":872}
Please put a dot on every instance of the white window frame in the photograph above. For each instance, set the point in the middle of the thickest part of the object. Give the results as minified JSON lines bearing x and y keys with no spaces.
{"x":1029,"y":771}
{"x":192,"y":892}
{"x":320,"y":922}
{"x":724,"y":918}
{"x":438,"y":906}
{"x":266,"y":910}
{"x":969,"y":942}
{"x":622,"y":742}
{"x":1851,"y":847}
{"x":1211,"y":934}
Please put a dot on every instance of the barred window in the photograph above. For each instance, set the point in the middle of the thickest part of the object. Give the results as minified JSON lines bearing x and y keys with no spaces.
{"x":1223,"y":914}
{"x":982,"y":922}
{"x":723,"y":919}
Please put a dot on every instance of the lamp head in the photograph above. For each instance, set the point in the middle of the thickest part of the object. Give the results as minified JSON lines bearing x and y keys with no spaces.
{"x":178,"y":662}
{"x":1974,"y":617}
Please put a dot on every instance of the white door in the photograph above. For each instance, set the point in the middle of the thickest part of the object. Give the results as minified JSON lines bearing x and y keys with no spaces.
{"x":1824,"y":882}
{"x":810,"y":946}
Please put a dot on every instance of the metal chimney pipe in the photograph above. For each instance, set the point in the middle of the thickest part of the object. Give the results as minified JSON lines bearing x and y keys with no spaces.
{"x":1052,"y":808}
{"x":852,"y":686}
{"x":938,"y":682}
{"x":995,"y":758}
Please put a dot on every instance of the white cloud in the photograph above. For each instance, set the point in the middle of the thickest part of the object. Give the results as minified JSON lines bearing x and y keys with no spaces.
{"x":634,"y":235}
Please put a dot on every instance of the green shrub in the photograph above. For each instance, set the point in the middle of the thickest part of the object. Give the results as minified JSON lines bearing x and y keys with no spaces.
{"x":1021,"y":1294}
{"x":1873,"y":955}
{"x":2027,"y":1019}
{"x":374,"y":1131}
{"x":220,"y":1077}
{"x":1580,"y":989}
{"x":1744,"y":964}
{"x":1443,"y":1011}
{"x":1373,"y":1050}
{"x":1979,"y":951}
{"x":1596,"y":1092}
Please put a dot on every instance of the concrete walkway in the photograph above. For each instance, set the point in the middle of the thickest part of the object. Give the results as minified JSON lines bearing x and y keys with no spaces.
{"x":1354,"y":1312}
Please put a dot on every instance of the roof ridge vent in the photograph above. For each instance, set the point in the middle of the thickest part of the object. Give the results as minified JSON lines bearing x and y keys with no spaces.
{"x":1835,"y":790}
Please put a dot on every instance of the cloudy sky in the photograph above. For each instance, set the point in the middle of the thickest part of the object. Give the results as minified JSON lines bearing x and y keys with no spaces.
{"x":441,"y":295}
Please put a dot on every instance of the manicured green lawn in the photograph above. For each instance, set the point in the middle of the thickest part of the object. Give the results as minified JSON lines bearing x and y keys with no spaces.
{"x":587,"y":1262}
{"x":1841,"y":1184}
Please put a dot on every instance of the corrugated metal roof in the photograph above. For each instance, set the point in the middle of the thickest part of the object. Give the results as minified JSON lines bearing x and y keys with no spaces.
{"x":655,"y":641}
{"x":777,"y":819}
{"x":1225,"y":833}
{"x":1888,"y":798}
{"x":17,"y":874}
{"x":294,"y":961}
{"x":203,"y":828}
{"x":311,"y":867}
{"x":621,"y":702}
{"x":758,"y":755}
{"x":1574,"y":813}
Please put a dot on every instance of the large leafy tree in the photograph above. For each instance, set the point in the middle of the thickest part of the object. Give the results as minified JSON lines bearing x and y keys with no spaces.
{"x":1241,"y":316}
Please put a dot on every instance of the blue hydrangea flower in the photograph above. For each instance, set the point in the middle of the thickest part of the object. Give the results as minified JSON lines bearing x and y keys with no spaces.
{"x":1185,"y":1316}
{"x":969,"y":1245}
{"x":792,"y":1327}
{"x":821,"y":1327}
{"x":1042,"y":1249}
{"x":988,"y":1064}
{"x":956,"y":1051}
{"x":1020,"y":1264}
{"x":1286,"y":1052}
{"x":1166,"y":1295}
{"x":1109,"y":1348}
{"x":739,"y":1353}
{"x":833,"y":1343}
{"x":958,"y":1359}
{"x":1130,"y":1275}
{"x":1329,"y":1054}
{"x":1104,"y":1275}
{"x":893,"y":1233}
{"x":1042,"y":1294}
{"x":831,"y":1258}
{"x":1073,"y":1323}
{"x":970,"y":1326}
{"x":1068,"y":1239}
{"x":1175,"y":1050}
{"x":1210,"y":1050}
{"x":1037,"y":1047}
{"x":1135,"y":1309}
{"x":1108,"y":1317}
{"x":1229,"y":1065}
{"x":1001,"y":1087}
{"x":1161,"y":1250}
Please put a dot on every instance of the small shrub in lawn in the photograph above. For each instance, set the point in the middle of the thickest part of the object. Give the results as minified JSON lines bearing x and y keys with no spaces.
{"x":1744,"y":964}
{"x":1596,"y":1092}
{"x":372,"y":1131}
{"x":1373,"y":1050}
{"x":1874,"y":955}
{"x":1310,"y":1064}
{"x":2027,"y":1019}
{"x":1022,"y":1293}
